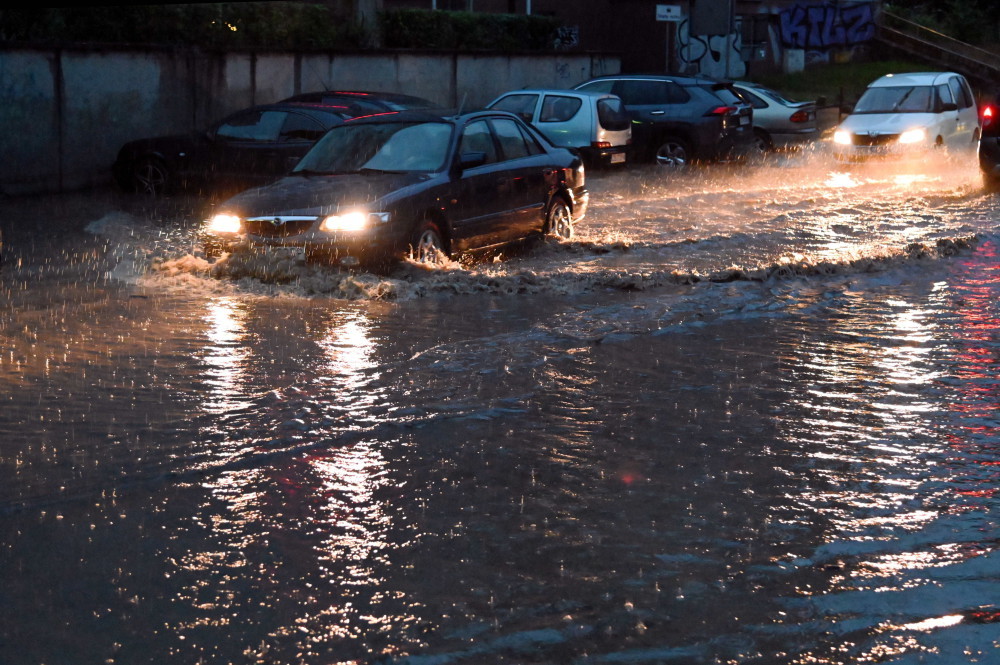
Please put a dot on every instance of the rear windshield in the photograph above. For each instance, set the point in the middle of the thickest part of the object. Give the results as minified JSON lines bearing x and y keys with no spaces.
{"x":611,"y":114}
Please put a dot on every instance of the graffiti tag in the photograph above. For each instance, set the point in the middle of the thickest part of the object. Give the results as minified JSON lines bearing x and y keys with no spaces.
{"x":824,"y":26}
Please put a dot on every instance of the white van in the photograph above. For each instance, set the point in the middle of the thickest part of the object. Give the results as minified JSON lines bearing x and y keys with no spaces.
{"x":906,"y":114}
{"x":593,"y":123}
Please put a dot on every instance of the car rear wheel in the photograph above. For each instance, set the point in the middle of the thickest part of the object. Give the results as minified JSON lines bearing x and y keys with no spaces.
{"x":761,"y":141}
{"x":560,"y":220}
{"x":427,"y":244}
{"x":151,"y":176}
{"x":672,"y":153}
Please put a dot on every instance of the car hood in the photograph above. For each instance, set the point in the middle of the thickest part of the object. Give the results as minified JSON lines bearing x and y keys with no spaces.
{"x":322,"y":194}
{"x":887,"y":123}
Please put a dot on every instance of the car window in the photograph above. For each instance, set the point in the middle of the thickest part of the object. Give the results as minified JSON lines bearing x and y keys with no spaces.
{"x":420,"y":147}
{"x":895,"y":99}
{"x":611,"y":114}
{"x":967,"y":95}
{"x":301,"y":128}
{"x":944,"y":94}
{"x":559,"y":108}
{"x":477,"y":138}
{"x":253,"y":126}
{"x":755,"y":100}
{"x":598,"y":86}
{"x":957,"y":92}
{"x":390,"y":146}
{"x":643,"y":93}
{"x":520,"y":105}
{"x":511,"y":139}
{"x":726,"y":95}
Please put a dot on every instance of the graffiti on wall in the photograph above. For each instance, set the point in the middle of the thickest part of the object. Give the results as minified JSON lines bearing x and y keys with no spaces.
{"x":712,"y":55}
{"x":826,"y":26}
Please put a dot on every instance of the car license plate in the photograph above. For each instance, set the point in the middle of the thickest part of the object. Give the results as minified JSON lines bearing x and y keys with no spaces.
{"x":618,"y":158}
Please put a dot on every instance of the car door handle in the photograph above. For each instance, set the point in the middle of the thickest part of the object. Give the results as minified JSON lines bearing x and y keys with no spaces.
{"x":657,"y":112}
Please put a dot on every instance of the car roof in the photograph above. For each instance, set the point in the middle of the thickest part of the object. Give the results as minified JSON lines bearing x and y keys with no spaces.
{"x":689,"y":79}
{"x":360,"y":95}
{"x":910,"y":78}
{"x":429,"y":115}
{"x":558,"y":91}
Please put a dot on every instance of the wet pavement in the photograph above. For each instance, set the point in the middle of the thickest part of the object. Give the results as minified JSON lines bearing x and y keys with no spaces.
{"x":748,"y":415}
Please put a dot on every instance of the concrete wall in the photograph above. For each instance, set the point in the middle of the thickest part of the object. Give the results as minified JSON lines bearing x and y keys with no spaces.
{"x":65,"y":112}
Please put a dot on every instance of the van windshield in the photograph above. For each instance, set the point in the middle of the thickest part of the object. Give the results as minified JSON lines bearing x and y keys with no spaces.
{"x":897,"y":99}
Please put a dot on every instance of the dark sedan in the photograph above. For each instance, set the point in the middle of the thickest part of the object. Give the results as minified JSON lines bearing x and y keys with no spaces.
{"x":989,"y":142}
{"x":250,"y":147}
{"x":419,"y":184}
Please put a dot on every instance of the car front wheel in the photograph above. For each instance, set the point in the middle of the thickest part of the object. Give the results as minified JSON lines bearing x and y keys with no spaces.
{"x":427,"y":244}
{"x":560,"y":220}
{"x":151,"y":176}
{"x":672,"y":153}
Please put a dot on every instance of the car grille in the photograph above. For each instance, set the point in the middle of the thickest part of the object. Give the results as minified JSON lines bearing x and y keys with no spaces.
{"x":278,"y":227}
{"x":876,"y":140}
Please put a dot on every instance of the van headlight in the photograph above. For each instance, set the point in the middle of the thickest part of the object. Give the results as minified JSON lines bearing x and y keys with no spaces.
{"x":842,"y":137}
{"x":224,"y":223}
{"x":913,"y":136}
{"x":353,"y":221}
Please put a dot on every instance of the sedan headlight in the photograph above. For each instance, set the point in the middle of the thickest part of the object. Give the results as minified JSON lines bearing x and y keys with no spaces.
{"x":842,"y":137}
{"x":913,"y":136}
{"x":224,"y":223}
{"x":353,"y":221}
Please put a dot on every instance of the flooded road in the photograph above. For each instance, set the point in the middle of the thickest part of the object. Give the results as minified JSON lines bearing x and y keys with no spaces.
{"x":748,"y":415}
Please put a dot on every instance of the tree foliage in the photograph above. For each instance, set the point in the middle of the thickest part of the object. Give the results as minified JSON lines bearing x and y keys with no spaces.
{"x":276,"y":25}
{"x":973,"y":21}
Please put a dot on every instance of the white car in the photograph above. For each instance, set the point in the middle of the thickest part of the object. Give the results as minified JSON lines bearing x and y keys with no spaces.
{"x":594,"y":123}
{"x":909,"y":114}
{"x":778,"y":122}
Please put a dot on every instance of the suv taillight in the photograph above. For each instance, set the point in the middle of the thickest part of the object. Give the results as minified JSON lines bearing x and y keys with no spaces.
{"x":600,"y":144}
{"x":799,"y":116}
{"x":722,"y":110}
{"x":988,"y":114}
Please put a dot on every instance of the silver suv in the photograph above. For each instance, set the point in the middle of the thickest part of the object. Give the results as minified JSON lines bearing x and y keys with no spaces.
{"x":593,"y":123}
{"x":677,"y":119}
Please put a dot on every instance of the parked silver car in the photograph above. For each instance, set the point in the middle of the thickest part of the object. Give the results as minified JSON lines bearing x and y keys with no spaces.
{"x":778,"y":122}
{"x":593,"y":123}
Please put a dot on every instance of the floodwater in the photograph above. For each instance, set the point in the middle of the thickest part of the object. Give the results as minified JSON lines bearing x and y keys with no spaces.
{"x":748,"y":415}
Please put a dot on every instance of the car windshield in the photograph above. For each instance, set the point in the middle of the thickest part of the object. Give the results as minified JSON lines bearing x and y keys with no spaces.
{"x":897,"y":99}
{"x":395,"y":147}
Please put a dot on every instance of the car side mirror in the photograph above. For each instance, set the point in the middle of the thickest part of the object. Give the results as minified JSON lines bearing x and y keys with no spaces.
{"x":470,"y":160}
{"x":949,"y":106}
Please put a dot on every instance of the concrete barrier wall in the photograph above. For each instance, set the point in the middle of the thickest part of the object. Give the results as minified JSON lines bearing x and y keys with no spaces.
{"x":65,"y":112}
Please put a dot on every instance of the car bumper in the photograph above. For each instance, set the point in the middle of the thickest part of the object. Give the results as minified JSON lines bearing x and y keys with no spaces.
{"x":344,"y":248}
{"x":613,"y":156}
{"x":989,"y":157}
{"x":794,"y":139}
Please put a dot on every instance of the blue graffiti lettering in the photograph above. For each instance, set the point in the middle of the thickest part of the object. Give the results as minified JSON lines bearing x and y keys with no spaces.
{"x":824,"y":26}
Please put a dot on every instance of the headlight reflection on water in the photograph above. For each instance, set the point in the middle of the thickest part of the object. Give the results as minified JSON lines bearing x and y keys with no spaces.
{"x":226,"y":354}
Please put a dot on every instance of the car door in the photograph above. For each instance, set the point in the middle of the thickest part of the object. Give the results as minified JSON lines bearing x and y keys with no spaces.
{"x":522,"y":181}
{"x":562,"y":119}
{"x":949,"y":123}
{"x":967,"y":122}
{"x":479,"y":206}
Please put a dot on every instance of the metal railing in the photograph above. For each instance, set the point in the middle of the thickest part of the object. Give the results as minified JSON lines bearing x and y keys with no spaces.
{"x":895,"y":28}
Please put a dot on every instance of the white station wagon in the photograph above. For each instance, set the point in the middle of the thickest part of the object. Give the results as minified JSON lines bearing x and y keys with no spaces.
{"x":594,"y":123}
{"x":905,"y":114}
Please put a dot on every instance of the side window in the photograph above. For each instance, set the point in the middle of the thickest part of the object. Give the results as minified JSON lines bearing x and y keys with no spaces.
{"x":521,"y":105}
{"x":598,"y":86}
{"x":511,"y":140}
{"x":677,"y":94}
{"x":970,"y":99}
{"x":253,"y":126}
{"x":958,"y":92}
{"x":756,"y":101}
{"x":557,"y":108}
{"x":944,"y":94}
{"x":301,"y":128}
{"x":644,"y":93}
{"x":477,"y":138}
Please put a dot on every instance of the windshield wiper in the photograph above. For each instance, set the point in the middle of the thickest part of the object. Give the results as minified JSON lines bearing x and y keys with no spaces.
{"x":370,"y":171}
{"x":895,"y":107}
